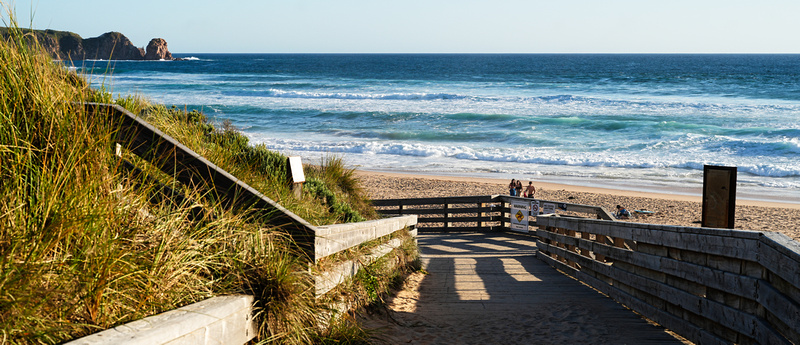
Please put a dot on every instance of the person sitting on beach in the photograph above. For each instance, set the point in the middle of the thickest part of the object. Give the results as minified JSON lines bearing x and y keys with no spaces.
{"x":512,"y":187}
{"x":622,"y":213}
{"x":530,"y":190}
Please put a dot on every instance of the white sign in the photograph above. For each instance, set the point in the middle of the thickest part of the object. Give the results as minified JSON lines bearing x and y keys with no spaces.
{"x":296,"y":169}
{"x":519,"y":216}
{"x":548,"y":208}
{"x":535,"y":208}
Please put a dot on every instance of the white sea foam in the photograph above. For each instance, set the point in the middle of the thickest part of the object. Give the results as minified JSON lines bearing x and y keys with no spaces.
{"x":547,"y":157}
{"x":361,"y":96}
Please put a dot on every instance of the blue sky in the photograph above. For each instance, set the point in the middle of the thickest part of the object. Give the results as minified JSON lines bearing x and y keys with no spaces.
{"x":432,"y":26}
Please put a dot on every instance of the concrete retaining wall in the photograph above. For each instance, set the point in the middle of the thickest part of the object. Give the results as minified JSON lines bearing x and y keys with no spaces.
{"x":218,"y":320}
{"x":331,"y":239}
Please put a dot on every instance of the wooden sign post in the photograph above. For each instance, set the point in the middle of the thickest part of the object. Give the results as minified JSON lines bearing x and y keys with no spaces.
{"x":719,"y":196}
{"x":296,"y":175}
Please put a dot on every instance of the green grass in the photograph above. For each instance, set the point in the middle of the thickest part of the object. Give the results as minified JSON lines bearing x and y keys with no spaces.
{"x":84,"y":245}
{"x":332,"y":192}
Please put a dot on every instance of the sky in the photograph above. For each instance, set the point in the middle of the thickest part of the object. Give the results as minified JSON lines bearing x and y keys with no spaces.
{"x":430,"y":26}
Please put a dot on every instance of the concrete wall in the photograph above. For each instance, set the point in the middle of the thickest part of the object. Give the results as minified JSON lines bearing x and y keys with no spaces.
{"x":219,"y":320}
{"x":331,"y":239}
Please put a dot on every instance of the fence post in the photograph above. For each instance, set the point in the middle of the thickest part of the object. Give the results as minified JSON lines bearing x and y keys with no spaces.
{"x":446,"y":214}
{"x":584,"y":251}
{"x":296,"y":174}
{"x":480,"y":216}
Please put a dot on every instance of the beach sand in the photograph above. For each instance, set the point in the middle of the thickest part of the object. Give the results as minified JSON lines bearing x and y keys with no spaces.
{"x":399,"y":324}
{"x":669,"y":209}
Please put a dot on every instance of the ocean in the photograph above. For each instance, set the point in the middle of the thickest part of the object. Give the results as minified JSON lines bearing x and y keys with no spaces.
{"x":631,"y":122}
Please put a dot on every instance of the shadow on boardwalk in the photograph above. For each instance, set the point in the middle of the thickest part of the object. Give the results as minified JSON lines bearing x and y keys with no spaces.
{"x":491,"y":289}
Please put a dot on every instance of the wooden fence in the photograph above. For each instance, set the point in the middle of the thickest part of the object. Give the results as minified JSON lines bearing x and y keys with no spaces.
{"x":469,"y":213}
{"x":712,"y":286}
{"x":474,"y":213}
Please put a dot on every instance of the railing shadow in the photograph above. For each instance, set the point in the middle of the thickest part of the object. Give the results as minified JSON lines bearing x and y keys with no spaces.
{"x":491,"y":288}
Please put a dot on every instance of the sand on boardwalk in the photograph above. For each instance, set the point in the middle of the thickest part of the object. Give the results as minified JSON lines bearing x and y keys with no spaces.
{"x":668,"y":209}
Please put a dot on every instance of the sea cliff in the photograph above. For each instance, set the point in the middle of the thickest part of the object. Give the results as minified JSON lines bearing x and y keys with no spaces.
{"x":65,"y":45}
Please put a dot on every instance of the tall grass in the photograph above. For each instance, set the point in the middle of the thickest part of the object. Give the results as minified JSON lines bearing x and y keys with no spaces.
{"x":332,"y":191}
{"x":84,"y":245}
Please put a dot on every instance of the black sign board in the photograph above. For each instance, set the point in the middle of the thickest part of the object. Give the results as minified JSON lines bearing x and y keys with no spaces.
{"x":719,"y":196}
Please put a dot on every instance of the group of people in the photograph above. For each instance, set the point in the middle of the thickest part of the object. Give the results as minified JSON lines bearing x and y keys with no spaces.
{"x":515,"y":189}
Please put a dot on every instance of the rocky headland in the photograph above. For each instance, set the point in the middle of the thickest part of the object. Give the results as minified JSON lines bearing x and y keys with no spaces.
{"x":65,"y":45}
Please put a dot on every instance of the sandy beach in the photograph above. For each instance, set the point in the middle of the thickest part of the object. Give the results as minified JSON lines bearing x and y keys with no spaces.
{"x":670,"y":209}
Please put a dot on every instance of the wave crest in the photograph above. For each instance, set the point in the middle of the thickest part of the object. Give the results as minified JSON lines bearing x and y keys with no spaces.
{"x":414,"y":96}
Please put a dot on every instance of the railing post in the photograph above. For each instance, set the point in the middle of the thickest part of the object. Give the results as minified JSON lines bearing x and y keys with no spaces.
{"x":506,"y":216}
{"x":446,"y":215}
{"x":480,"y":216}
{"x":296,"y":175}
{"x":585,"y":252}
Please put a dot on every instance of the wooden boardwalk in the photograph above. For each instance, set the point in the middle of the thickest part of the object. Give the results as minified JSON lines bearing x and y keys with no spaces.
{"x":489,"y":288}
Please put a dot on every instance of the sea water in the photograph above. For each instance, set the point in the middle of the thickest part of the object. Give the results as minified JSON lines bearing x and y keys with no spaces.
{"x":637,"y":122}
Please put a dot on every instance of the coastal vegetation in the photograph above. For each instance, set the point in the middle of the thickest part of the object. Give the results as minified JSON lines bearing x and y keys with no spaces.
{"x":86,"y":243}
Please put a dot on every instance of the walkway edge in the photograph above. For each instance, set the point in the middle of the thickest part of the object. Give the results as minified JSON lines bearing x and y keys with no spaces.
{"x":218,"y":320}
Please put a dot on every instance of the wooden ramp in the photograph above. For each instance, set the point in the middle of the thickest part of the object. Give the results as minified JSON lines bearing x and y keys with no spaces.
{"x":489,"y":288}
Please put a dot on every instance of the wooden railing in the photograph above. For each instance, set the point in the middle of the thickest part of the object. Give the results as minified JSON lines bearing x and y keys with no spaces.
{"x":712,"y":286}
{"x":189,"y":168}
{"x":469,"y":213}
{"x":475,"y":213}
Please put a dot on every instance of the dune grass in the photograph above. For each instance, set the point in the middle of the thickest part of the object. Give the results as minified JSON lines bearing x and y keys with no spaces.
{"x":84,"y":246}
{"x":332,"y":191}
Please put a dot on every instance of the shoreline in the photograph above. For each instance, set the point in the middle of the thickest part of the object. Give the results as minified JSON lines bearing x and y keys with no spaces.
{"x":575,"y":188}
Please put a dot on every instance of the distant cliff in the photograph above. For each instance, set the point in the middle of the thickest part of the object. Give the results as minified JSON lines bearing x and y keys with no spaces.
{"x":65,"y":45}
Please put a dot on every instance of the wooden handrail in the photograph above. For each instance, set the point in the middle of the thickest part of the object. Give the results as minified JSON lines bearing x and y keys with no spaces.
{"x":489,"y":213}
{"x":708,"y":285}
{"x":191,"y":169}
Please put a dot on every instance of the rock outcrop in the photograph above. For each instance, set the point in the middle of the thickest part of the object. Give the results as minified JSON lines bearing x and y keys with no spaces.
{"x":111,"y":46}
{"x":157,"y":50}
{"x":65,"y":45}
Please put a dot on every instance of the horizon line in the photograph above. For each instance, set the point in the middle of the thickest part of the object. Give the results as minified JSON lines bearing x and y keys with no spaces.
{"x":504,"y":53}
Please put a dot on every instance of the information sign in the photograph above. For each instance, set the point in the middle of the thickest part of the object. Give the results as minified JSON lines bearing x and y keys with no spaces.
{"x":519,"y":216}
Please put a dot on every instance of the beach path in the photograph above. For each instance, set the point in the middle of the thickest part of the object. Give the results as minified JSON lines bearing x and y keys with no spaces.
{"x":489,"y":288}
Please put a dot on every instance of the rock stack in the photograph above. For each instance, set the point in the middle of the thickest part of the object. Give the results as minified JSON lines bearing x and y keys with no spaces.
{"x":65,"y":45}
